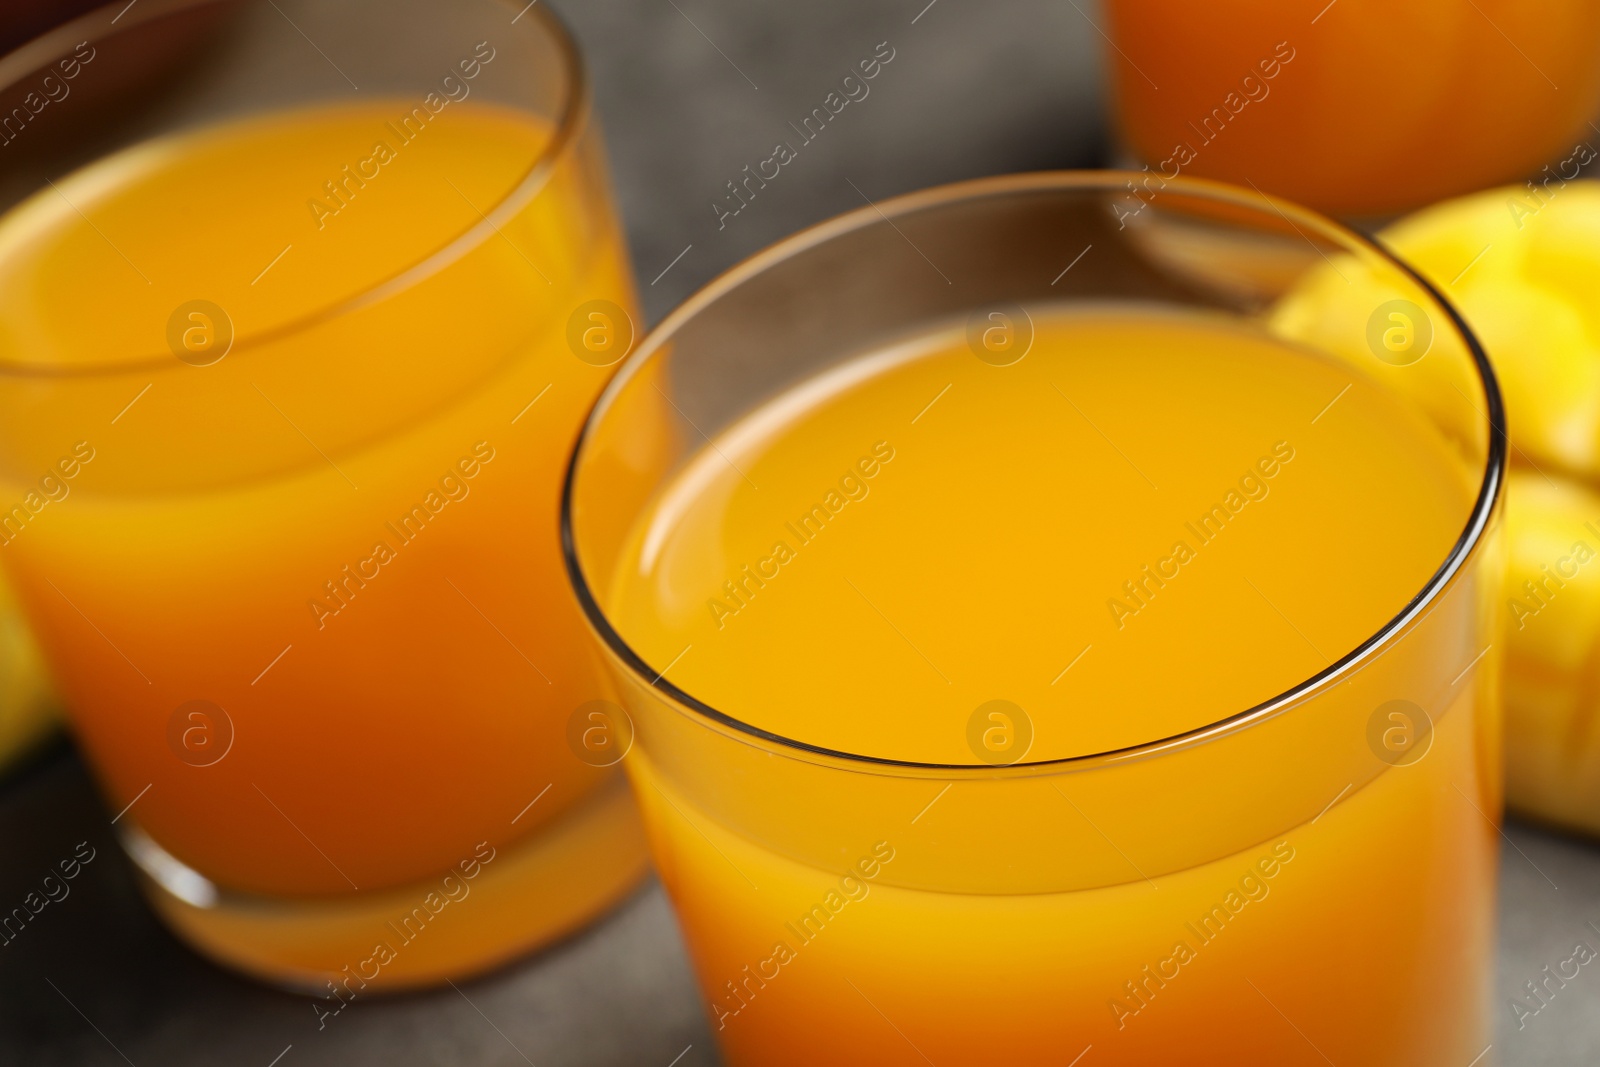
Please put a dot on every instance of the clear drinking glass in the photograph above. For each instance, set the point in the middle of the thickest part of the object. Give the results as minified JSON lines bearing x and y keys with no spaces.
{"x":1234,"y":891}
{"x":304,"y":305}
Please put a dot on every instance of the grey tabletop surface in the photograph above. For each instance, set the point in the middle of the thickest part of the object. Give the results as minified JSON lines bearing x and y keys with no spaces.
{"x":691,"y":91}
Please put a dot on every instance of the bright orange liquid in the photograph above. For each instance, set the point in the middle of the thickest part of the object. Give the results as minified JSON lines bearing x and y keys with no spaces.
{"x":1355,"y":113}
{"x":246,"y":533}
{"x":977,"y":550}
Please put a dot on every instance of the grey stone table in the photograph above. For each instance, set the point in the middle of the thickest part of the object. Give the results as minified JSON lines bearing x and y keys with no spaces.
{"x":691,"y":91}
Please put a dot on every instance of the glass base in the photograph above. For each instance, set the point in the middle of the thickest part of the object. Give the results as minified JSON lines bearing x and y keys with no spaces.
{"x":531,"y":894}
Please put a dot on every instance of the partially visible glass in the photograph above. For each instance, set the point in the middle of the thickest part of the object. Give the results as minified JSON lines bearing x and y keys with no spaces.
{"x":29,"y":715}
{"x":853,"y":906}
{"x":1360,"y":108}
{"x":304,"y":305}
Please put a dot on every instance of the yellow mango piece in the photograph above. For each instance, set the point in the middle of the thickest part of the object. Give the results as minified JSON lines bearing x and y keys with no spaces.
{"x":1523,"y":269}
{"x":1549,"y":371}
{"x":1552,"y":663}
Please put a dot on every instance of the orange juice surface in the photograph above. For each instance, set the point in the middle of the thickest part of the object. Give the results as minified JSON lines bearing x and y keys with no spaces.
{"x":1148,"y":524}
{"x":296,"y":393}
{"x":1359,"y":107}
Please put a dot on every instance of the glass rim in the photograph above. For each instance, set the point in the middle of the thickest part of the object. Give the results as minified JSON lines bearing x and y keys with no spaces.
{"x":1111,"y":181}
{"x":573,"y":117}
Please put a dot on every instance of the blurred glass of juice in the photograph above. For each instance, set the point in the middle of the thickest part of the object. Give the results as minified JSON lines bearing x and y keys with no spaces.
{"x":1358,"y":108}
{"x":305,"y":303}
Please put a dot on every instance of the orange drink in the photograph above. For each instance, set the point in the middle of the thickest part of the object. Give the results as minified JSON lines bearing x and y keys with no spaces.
{"x":1022,"y":667}
{"x":1343,"y":107}
{"x":286,"y":394}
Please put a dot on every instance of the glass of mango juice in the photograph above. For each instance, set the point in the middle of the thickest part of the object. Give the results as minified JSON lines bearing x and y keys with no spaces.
{"x":304,"y":306}
{"x":1034,"y":645}
{"x":1338,"y":105}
